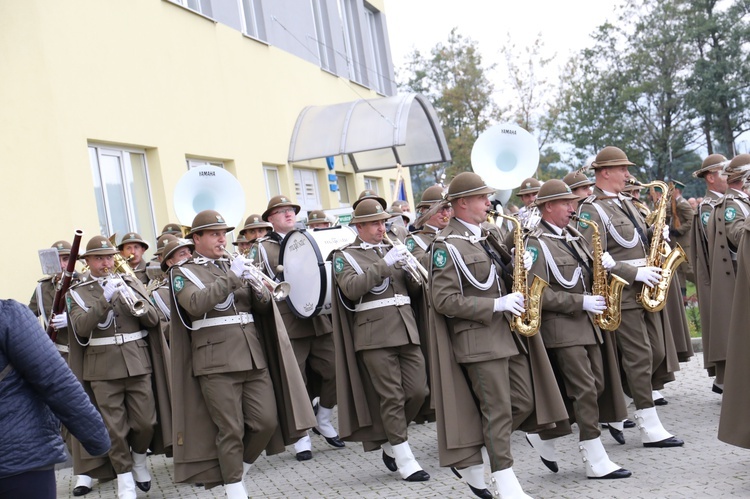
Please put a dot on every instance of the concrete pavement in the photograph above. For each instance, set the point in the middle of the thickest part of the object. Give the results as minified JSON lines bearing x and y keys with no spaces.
{"x":703,"y":468}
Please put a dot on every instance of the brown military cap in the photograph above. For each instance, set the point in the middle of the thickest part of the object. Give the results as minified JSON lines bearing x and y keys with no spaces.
{"x":317,"y":217}
{"x":208,"y":220}
{"x":738,"y":168}
{"x":712,"y":163}
{"x":173,"y":246}
{"x":173,"y":229}
{"x":132,"y":237}
{"x":467,"y":184}
{"x":577,"y":179}
{"x":241,"y":239}
{"x":62,"y":247}
{"x":611,"y":156}
{"x":278,"y":202}
{"x":99,"y":245}
{"x":162,"y":242}
{"x":254,"y":221}
{"x":368,"y":194}
{"x":553,"y":190}
{"x":529,"y":186}
{"x":369,"y":210}
{"x":431,"y":195}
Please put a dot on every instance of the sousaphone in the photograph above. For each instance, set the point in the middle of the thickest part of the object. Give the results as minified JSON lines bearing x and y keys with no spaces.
{"x":504,"y":155}
{"x":209,"y":188}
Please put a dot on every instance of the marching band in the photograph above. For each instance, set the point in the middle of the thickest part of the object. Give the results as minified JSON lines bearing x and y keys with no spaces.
{"x":478,"y":321}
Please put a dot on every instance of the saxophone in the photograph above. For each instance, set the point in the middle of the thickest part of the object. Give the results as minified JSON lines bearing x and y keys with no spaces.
{"x":611,"y":291}
{"x":527,"y":324}
{"x":659,"y":253}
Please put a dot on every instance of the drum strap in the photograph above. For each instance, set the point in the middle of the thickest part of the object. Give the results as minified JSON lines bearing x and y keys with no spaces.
{"x":266,"y":264}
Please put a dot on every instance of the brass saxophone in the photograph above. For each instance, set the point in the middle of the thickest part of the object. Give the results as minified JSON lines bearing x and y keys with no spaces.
{"x":527,"y":324}
{"x":659,"y":253}
{"x":611,"y":291}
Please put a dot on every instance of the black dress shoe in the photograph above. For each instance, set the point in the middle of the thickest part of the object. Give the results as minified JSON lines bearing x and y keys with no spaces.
{"x":418,"y":476}
{"x":667,"y":442}
{"x":305,"y":455}
{"x":144,"y":486}
{"x":621,"y":473}
{"x":617,"y":435}
{"x":81,"y":490}
{"x":661,"y":401}
{"x":551,"y":465}
{"x":483,"y":493}
{"x":717,"y":389}
{"x":628,"y":423}
{"x":333,"y":441}
{"x":390,"y":462}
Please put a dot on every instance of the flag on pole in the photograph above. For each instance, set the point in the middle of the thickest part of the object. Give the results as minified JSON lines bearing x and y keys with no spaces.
{"x":399,"y":192}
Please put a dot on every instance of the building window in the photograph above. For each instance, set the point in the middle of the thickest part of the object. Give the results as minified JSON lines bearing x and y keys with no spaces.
{"x":252,"y":19}
{"x":371,"y":184}
{"x":195,"y":163}
{"x":343,"y":190}
{"x":352,"y":40}
{"x":306,"y":189}
{"x":374,"y":41}
{"x":323,"y":39}
{"x":273,"y":187}
{"x":200,"y":6}
{"x":122,"y":191}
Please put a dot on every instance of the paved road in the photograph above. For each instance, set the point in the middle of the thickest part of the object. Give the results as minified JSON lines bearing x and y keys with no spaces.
{"x":704,"y":467}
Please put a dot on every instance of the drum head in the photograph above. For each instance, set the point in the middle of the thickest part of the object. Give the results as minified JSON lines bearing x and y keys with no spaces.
{"x":304,"y":270}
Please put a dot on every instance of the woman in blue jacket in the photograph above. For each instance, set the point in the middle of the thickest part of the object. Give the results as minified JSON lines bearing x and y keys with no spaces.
{"x":37,"y":392}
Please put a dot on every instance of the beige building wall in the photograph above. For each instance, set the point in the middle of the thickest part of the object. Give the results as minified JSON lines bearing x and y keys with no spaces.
{"x":146,"y":74}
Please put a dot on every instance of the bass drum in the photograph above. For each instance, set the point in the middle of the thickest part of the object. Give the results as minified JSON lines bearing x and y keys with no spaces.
{"x":305,"y":258}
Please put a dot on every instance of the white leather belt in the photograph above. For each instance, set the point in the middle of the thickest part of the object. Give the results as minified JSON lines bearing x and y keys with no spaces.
{"x":396,"y":301}
{"x":118,"y":339}
{"x":241,"y":318}
{"x":636,"y":262}
{"x":62,"y":348}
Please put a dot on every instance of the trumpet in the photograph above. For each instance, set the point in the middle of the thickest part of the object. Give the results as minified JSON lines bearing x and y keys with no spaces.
{"x":411,"y":264}
{"x":136,"y":305}
{"x":257,"y":280}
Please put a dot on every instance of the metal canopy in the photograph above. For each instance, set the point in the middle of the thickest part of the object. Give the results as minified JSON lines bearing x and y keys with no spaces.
{"x":375,"y":133}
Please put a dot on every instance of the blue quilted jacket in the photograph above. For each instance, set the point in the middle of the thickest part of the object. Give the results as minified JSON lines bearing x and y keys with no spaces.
{"x":38,"y":391}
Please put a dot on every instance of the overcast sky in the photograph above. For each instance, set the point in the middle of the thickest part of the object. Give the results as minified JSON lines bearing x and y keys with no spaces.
{"x":564,"y":26}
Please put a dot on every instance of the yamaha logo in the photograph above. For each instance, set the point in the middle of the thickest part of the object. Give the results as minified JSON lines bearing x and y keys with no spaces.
{"x":508,"y":131}
{"x":206,"y":174}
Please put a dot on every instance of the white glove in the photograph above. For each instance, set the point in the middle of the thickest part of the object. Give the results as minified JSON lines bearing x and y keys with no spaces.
{"x":665,"y":233}
{"x":527,"y":259}
{"x":594,"y":304}
{"x":648,"y":275}
{"x":512,"y":303}
{"x":238,"y":265}
{"x":607,"y":261}
{"x":396,"y":254}
{"x":110,"y":288}
{"x":60,"y":321}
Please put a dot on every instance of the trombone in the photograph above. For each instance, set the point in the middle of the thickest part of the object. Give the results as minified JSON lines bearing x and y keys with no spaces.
{"x":412,"y":265}
{"x":258,"y":280}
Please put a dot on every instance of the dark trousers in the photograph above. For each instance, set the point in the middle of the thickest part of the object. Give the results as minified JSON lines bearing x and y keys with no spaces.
{"x":399,"y":377}
{"x":243,"y":408}
{"x":129,"y":413}
{"x":39,"y":484}
{"x":318,"y":353}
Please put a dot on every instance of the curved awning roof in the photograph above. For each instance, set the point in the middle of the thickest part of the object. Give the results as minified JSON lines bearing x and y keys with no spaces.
{"x":374,"y":133}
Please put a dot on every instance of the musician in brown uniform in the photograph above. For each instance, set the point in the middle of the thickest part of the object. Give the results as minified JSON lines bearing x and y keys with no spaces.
{"x":716,"y":186}
{"x":640,"y":337}
{"x":41,"y":304}
{"x":317,"y":219}
{"x":380,"y":362}
{"x":115,"y":361}
{"x":220,"y":369}
{"x":311,"y":338}
{"x":725,"y":226}
{"x":483,"y":383}
{"x":562,"y":257}
{"x":132,"y":247}
{"x":680,"y":232}
{"x":392,"y":230}
{"x":419,"y":242}
{"x":579,"y":183}
{"x":175,"y":252}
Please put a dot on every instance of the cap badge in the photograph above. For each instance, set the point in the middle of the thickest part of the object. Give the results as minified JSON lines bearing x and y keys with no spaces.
{"x":219,"y":219}
{"x":283,"y":200}
{"x":255,"y":219}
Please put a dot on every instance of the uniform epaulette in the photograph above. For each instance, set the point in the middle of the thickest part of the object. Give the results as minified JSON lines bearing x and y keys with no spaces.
{"x":535,"y":232}
{"x":45,"y":278}
{"x":589,"y":200}
{"x":81,"y":283}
